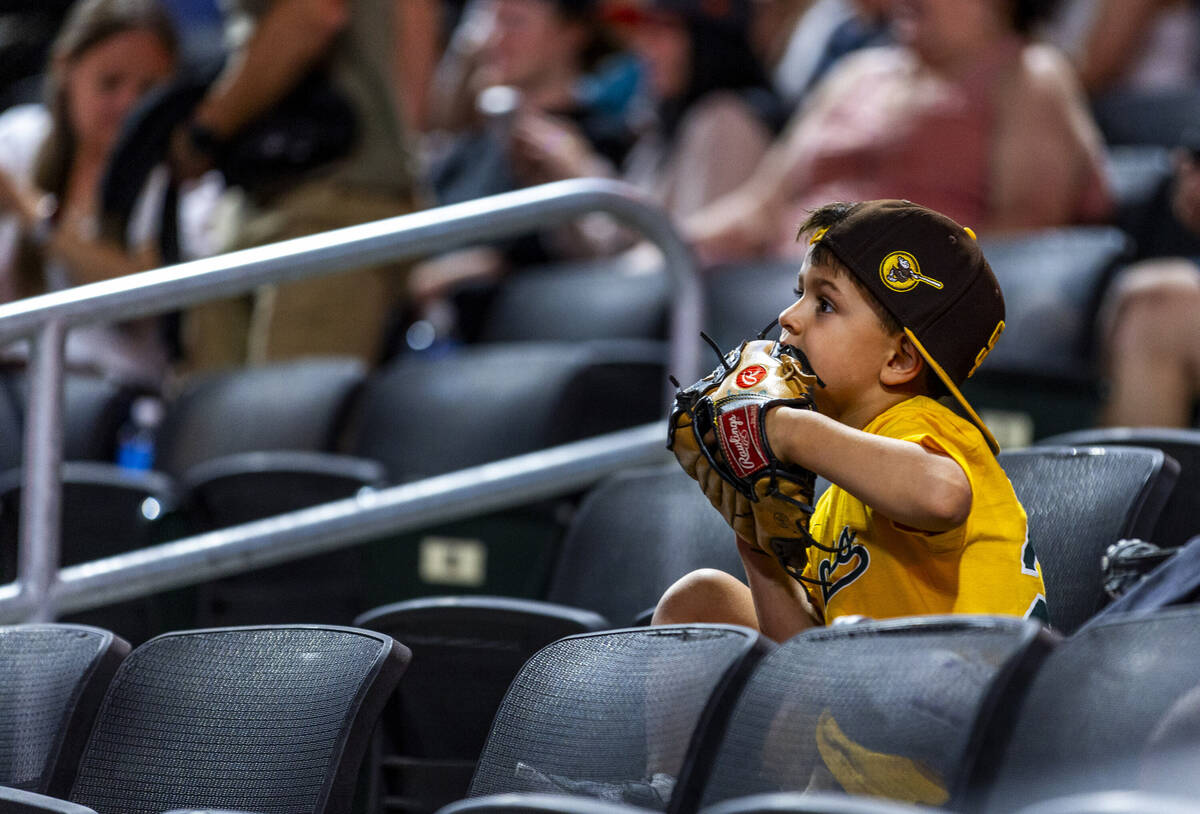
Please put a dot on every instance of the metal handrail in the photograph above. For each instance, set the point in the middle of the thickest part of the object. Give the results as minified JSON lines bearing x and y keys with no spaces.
{"x":49,"y":317}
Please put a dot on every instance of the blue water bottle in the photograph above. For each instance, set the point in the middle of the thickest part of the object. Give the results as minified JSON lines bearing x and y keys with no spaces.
{"x":137,"y":436}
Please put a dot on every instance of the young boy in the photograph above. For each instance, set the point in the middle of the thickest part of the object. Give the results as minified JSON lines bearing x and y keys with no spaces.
{"x":896,"y":306}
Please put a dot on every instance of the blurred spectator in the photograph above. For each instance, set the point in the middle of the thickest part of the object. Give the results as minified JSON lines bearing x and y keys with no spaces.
{"x":827,"y":31}
{"x":964,"y":114}
{"x":324,"y":72}
{"x":511,"y":60}
{"x":1150,"y":323}
{"x":1135,"y":45}
{"x":107,"y":54}
{"x":713,"y":107}
{"x":705,"y":125}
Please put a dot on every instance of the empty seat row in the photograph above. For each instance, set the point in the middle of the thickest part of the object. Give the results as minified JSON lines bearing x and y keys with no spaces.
{"x":245,"y":444}
{"x":965,"y":713}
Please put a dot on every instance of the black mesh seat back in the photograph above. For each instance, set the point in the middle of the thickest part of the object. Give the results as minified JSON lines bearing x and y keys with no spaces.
{"x":1079,"y":501}
{"x":1052,"y":281}
{"x":297,"y":405}
{"x":52,"y":678}
{"x":634,"y":535}
{"x":610,"y":714}
{"x":743,"y":298}
{"x":106,"y":510}
{"x":1115,"y":707}
{"x":1139,"y":116}
{"x":422,"y":417}
{"x":249,"y":486}
{"x":1180,"y":518}
{"x":262,"y":719}
{"x":94,"y":408}
{"x":886,"y":709}
{"x":603,"y":298}
{"x":465,"y":656}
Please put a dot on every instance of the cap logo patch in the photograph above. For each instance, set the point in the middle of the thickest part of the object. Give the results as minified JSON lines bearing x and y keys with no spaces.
{"x":901,"y":272}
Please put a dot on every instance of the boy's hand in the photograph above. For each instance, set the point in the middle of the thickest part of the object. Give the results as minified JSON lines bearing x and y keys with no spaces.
{"x":717,"y":434}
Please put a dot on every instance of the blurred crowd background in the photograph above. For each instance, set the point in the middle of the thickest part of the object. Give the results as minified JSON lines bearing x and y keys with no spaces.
{"x":136,"y":133}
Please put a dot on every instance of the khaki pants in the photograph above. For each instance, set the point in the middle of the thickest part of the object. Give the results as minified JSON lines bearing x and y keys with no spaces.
{"x":344,"y":313}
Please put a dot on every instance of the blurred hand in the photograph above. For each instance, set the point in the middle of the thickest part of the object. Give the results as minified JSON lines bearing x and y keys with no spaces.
{"x":547,"y":148}
{"x":14,"y":199}
{"x":186,"y":161}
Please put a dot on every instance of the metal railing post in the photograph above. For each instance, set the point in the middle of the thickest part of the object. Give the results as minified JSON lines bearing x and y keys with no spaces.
{"x":42,"y":589}
{"x":41,"y":495}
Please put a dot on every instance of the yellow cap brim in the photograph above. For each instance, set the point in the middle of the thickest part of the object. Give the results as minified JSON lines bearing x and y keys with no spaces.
{"x":953,"y":388}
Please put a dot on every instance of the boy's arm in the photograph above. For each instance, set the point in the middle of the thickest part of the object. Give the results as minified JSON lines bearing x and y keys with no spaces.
{"x":780,"y":603}
{"x":903,"y":481}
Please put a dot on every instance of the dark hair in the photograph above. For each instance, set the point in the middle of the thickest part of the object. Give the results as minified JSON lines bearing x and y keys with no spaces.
{"x":88,"y":24}
{"x":601,"y":41}
{"x":721,"y":59}
{"x":1026,"y":14}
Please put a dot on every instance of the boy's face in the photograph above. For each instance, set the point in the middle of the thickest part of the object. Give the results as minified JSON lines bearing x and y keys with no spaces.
{"x":838,"y":330}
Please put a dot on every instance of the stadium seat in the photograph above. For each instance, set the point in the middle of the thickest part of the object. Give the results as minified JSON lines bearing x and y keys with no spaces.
{"x":890,"y":709}
{"x":250,"y":442}
{"x":634,"y":534}
{"x":106,"y":510}
{"x":52,"y":678}
{"x":300,"y":405}
{"x":1043,"y":367}
{"x":422,"y":417}
{"x":248,"y":486}
{"x":622,"y":715}
{"x":1114,"y":708}
{"x":815,"y":802}
{"x":94,"y":408}
{"x":1180,"y":518}
{"x":1114,"y":802}
{"x":1078,"y":502}
{"x":262,"y":719}
{"x":1142,"y":179}
{"x":742,"y":298}
{"x":1160,"y":117}
{"x":467,"y":651}
{"x":604,"y":298}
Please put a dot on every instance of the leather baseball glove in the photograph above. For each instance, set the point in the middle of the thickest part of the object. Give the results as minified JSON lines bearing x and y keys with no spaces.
{"x":718,"y":434}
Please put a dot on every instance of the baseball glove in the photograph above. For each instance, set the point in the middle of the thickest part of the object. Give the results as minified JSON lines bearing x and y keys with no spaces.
{"x":717,"y":433}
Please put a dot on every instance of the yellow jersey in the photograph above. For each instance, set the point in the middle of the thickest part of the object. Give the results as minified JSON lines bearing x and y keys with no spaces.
{"x":881,"y":569}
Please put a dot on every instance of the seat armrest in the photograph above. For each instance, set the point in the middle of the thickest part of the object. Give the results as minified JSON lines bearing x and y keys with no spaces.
{"x":538,"y":804}
{"x":793,"y":802}
{"x":18,"y":801}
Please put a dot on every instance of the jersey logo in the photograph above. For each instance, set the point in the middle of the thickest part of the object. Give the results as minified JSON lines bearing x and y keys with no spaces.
{"x":1029,"y":563}
{"x":901,"y":272}
{"x":850,"y":561}
{"x":1039,"y":610}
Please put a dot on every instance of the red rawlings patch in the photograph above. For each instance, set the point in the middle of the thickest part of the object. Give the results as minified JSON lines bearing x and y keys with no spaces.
{"x":751,"y":376}
{"x":739,"y":436}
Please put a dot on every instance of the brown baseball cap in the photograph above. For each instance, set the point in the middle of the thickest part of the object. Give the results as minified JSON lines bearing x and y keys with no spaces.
{"x":931,"y":275}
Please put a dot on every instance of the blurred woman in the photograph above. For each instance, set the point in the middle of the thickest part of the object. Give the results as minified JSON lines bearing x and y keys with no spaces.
{"x":52,"y":159}
{"x":712,"y":107}
{"x":510,"y":62}
{"x":964,"y":114}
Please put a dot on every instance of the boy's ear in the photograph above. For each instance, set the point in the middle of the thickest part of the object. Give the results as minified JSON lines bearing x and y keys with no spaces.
{"x":903,"y":364}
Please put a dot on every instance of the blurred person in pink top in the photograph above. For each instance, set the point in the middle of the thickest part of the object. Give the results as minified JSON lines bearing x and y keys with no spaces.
{"x":964,"y":114}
